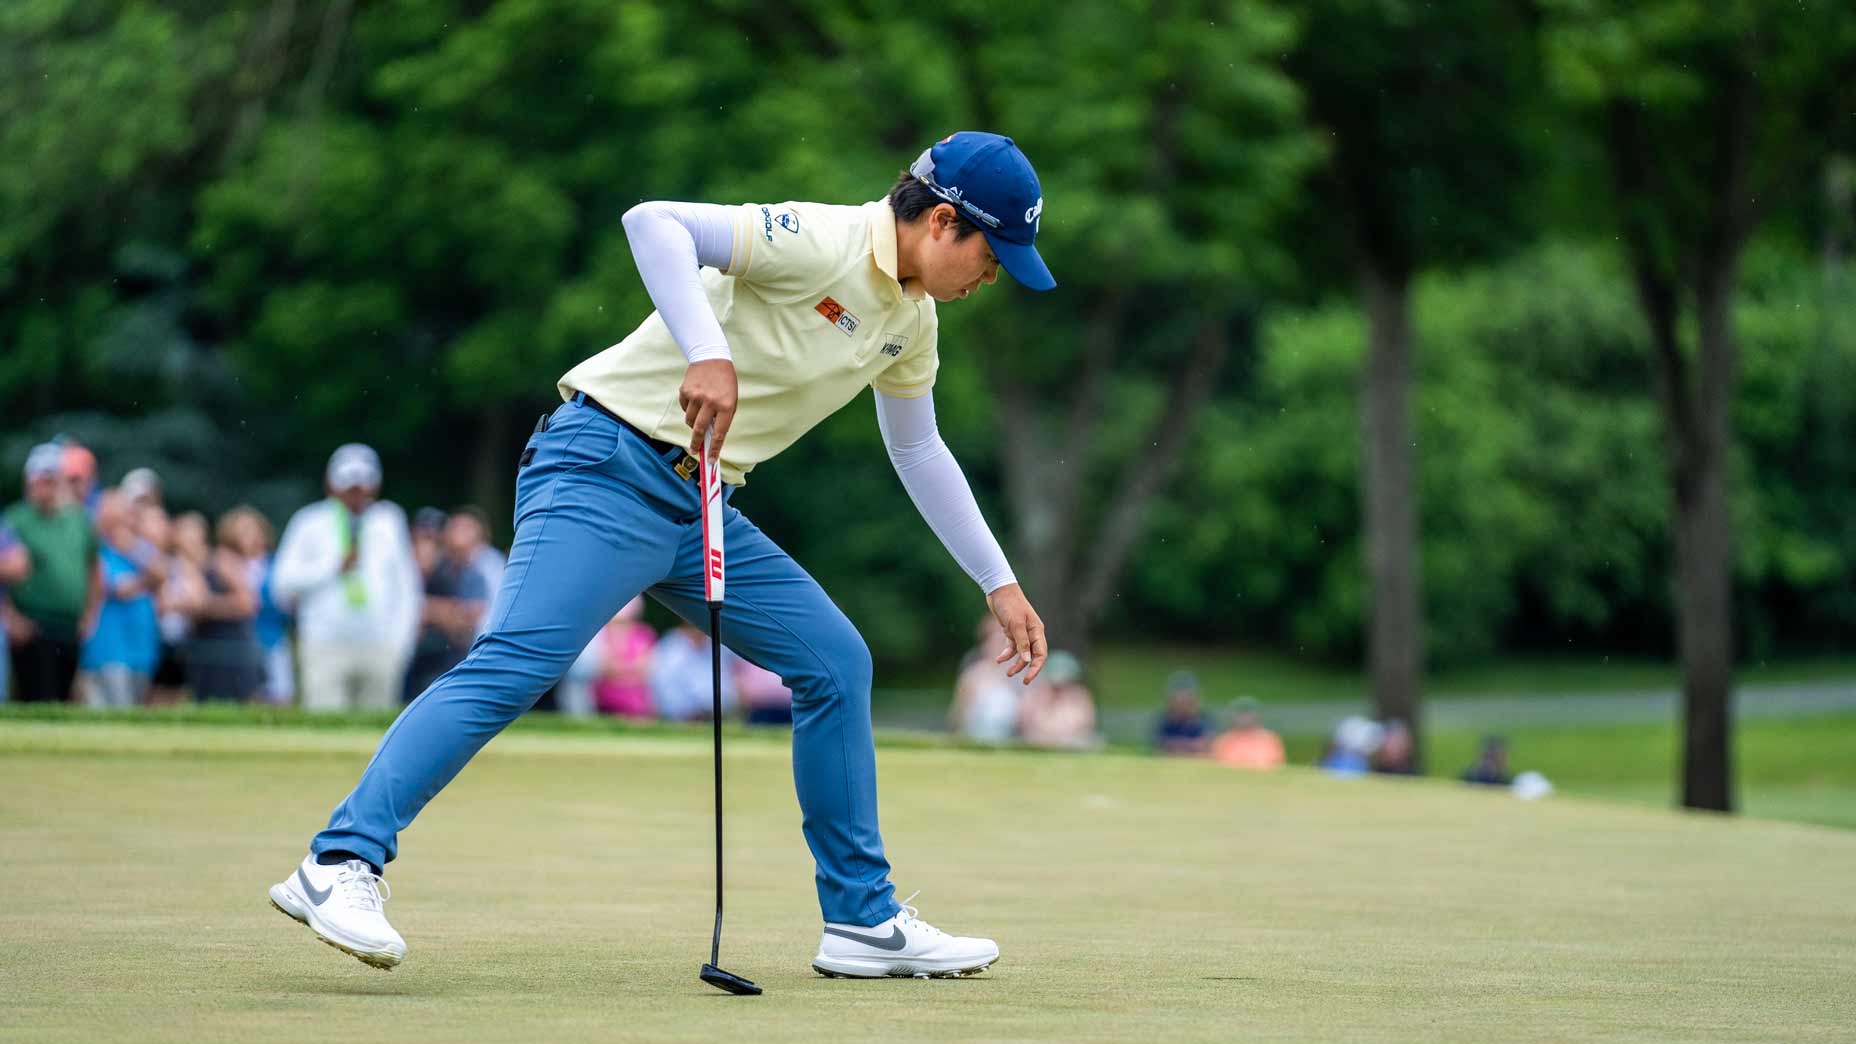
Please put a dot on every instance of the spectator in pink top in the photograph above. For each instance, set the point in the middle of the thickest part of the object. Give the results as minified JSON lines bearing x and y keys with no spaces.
{"x":623,"y":686}
{"x":764,"y":697}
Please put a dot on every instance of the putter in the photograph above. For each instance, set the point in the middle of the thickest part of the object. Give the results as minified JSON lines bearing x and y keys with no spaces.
{"x":713,"y":582}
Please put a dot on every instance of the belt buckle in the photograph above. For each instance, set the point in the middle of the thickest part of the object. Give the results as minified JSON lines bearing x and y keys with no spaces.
{"x":687,"y":467}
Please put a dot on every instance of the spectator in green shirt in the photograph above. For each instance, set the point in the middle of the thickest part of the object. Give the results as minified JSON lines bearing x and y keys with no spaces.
{"x":57,"y":604}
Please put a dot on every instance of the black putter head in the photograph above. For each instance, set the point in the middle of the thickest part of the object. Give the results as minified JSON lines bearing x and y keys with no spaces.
{"x":728,"y":981}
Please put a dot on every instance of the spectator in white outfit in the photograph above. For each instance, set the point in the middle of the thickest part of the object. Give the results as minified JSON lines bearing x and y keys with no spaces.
{"x":346,"y":564}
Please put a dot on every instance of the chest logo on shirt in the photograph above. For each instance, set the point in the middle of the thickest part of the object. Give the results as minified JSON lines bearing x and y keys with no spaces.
{"x":838,"y":316}
{"x":894,"y":343}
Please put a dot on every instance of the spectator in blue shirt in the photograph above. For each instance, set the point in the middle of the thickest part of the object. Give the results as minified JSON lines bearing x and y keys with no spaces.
{"x":119,"y":656}
{"x":1182,"y":729}
{"x":15,"y":565}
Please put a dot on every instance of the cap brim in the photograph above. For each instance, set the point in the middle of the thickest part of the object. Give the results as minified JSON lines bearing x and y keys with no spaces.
{"x":1021,"y":260}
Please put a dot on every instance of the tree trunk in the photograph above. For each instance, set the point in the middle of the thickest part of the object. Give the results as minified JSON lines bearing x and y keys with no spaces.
{"x":1045,"y":471}
{"x":1395,"y":627}
{"x":1696,"y":403}
{"x":1141,"y":478}
{"x":1704,"y":547}
{"x":1704,"y":586}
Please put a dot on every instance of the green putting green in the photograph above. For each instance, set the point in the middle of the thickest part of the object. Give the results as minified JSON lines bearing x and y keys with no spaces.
{"x":560,"y":890}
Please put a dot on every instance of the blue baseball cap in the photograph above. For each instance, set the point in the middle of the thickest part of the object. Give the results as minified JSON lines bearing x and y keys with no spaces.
{"x":992,"y":184}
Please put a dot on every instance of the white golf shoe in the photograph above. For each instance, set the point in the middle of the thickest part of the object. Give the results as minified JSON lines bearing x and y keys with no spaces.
{"x":904,"y":945}
{"x":342,"y":905}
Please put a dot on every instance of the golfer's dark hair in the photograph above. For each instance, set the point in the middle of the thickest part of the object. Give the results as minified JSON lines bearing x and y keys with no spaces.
{"x":910,"y":199}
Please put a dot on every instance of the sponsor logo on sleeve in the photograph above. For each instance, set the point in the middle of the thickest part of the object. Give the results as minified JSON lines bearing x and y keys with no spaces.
{"x":790,"y":222}
{"x":766,"y":224}
{"x":838,"y":316}
{"x":894,"y":343}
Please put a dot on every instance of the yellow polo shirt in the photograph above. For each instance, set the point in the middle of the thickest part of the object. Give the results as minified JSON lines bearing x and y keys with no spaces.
{"x":813,"y":314}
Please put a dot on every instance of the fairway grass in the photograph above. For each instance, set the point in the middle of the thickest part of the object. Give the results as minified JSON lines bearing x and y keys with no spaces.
{"x":560,"y":890}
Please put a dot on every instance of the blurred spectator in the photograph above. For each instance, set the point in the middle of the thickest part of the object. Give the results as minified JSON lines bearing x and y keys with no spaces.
{"x":78,"y":469}
{"x":1182,"y":729}
{"x":119,"y":657}
{"x":223,"y":660}
{"x":253,"y":536}
{"x":142,"y":486}
{"x":345,"y":564}
{"x":764,"y":697}
{"x":1491,"y":767}
{"x":1058,"y":710}
{"x":15,"y":565}
{"x":1397,"y":754}
{"x":488,"y":559}
{"x":1351,"y":750}
{"x":623,"y":684}
{"x":58,"y":601}
{"x":985,"y":700}
{"x":1247,"y":744}
{"x":457,"y":598}
{"x":428,"y":524}
{"x":682,"y":680}
{"x":181,"y":588}
{"x":573,"y":694}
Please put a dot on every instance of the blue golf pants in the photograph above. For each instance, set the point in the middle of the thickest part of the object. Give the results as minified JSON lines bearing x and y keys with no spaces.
{"x":601,"y":515}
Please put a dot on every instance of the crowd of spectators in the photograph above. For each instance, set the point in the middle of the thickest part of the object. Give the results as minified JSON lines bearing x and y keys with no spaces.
{"x":1359,"y":746}
{"x":109,"y":600}
{"x":1055,"y":710}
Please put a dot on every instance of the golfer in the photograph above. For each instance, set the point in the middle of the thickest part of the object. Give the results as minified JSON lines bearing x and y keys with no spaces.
{"x":769,"y":318}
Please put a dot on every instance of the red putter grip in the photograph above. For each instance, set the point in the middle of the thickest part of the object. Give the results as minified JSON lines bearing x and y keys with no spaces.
{"x":714,"y":579}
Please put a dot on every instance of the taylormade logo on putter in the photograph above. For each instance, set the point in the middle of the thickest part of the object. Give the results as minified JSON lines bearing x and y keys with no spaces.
{"x":714,"y":583}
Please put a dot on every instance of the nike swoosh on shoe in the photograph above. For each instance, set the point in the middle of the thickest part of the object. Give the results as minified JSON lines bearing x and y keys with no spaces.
{"x":896,"y":940}
{"x":315,"y":896}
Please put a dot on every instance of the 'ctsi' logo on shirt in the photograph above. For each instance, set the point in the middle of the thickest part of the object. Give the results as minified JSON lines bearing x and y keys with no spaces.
{"x":838,"y":315}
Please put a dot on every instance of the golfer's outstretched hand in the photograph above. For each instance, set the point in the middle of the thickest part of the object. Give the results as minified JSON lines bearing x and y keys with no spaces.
{"x":1022,"y":628}
{"x":708,"y":397}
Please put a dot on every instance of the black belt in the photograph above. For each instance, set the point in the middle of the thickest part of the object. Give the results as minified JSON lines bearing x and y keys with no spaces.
{"x":685,"y":466}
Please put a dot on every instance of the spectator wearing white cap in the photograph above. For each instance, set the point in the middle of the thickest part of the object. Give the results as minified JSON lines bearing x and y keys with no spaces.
{"x":346,"y":564}
{"x":142,"y":486}
{"x":57,"y":604}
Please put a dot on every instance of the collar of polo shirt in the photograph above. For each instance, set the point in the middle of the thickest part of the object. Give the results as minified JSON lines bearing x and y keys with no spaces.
{"x":883,"y":248}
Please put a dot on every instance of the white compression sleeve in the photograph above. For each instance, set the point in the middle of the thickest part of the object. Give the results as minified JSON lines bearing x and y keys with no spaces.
{"x":671,"y":242}
{"x":940,"y":492}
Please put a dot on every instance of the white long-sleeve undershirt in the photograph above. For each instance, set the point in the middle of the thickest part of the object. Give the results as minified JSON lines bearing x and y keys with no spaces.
{"x":672,"y":241}
{"x":935,"y":483}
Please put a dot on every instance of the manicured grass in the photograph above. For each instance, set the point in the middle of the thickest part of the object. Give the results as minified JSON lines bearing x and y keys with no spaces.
{"x":1802,"y":769}
{"x":560,"y":891}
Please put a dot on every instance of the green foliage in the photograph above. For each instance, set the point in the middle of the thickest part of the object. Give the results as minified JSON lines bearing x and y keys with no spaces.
{"x":233,"y":236}
{"x":1542,"y":481}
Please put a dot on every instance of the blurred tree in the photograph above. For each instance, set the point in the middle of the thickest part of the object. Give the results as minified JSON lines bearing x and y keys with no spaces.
{"x":1168,"y":147}
{"x":112,"y":112}
{"x":1543,"y":521}
{"x":1423,"y":105}
{"x":1705,"y":110}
